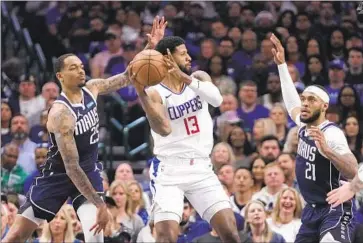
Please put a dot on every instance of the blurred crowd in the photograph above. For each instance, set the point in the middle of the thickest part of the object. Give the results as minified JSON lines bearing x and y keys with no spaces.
{"x":256,"y":141}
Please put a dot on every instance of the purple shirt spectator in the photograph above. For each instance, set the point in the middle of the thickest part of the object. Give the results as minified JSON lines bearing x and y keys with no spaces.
{"x":249,"y":118}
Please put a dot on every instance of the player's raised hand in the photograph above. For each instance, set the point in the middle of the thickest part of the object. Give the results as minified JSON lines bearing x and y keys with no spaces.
{"x":318,"y":136}
{"x":157,"y":31}
{"x":340,"y":195}
{"x":103,"y":216}
{"x":173,"y":67}
{"x":278,"y":51}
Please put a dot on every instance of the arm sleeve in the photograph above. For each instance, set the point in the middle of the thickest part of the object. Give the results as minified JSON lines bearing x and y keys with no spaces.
{"x":337,"y":141}
{"x":289,"y":94}
{"x":207,"y":91}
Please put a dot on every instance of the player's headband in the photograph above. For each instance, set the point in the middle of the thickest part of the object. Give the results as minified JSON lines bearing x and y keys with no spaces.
{"x":318,"y":92}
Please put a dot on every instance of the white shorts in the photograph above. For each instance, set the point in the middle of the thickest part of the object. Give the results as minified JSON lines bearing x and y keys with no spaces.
{"x":174,"y":178}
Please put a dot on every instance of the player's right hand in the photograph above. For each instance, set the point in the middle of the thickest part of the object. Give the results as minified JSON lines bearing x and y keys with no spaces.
{"x":278,"y":51}
{"x":103,"y":216}
{"x":340,"y":195}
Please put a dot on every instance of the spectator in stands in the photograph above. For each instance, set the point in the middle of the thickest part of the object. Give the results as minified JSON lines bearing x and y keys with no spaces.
{"x":12,"y":174}
{"x":20,"y":132}
{"x":286,"y":216}
{"x":222,"y":154}
{"x":249,"y":111}
{"x":225,"y":175}
{"x":274,"y":94}
{"x":287,"y":164}
{"x":105,"y":181}
{"x":60,"y":229}
{"x":138,"y":203}
{"x":118,"y":64}
{"x":314,"y":47}
{"x":269,"y":148}
{"x":242,"y":149}
{"x":274,"y":179}
{"x":132,"y":27}
{"x":28,"y":104}
{"x":124,"y":172}
{"x":287,"y":19}
{"x":39,"y":133}
{"x":354,"y":41}
{"x":77,"y":227}
{"x":219,"y":30}
{"x":257,"y":169}
{"x":256,"y":226}
{"x":40,"y":158}
{"x":100,"y":61}
{"x":315,"y":71}
{"x":4,"y":221}
{"x":303,"y":26}
{"x":243,"y":183}
{"x":6,"y":114}
{"x":279,"y":115}
{"x":225,"y":123}
{"x":333,"y":114}
{"x":229,"y":103}
{"x":336,"y":80}
{"x":50,"y":92}
{"x":13,"y":207}
{"x":326,"y":22}
{"x":261,"y":128}
{"x":295,"y":76}
{"x":226,"y":50}
{"x":291,"y":141}
{"x":294,"y":53}
{"x":355,"y":72}
{"x":337,"y":45}
{"x":266,"y":46}
{"x":217,"y":69}
{"x":349,"y":103}
{"x":249,"y":47}
{"x":208,"y":49}
{"x":247,"y":17}
{"x":128,"y":221}
{"x":236,"y":35}
{"x":353,"y":134}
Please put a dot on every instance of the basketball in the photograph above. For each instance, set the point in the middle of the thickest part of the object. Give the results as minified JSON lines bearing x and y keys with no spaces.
{"x":149,"y":67}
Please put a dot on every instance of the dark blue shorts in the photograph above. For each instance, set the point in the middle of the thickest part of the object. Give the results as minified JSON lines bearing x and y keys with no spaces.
{"x":51,"y":190}
{"x":320,"y":222}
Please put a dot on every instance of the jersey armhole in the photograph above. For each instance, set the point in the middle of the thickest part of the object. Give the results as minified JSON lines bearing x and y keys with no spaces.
{"x":65,"y":103}
{"x":90,"y":93}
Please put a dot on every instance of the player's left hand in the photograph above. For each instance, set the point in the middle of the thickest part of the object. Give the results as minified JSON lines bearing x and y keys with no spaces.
{"x":157,"y":31}
{"x":340,"y":195}
{"x":318,"y":136}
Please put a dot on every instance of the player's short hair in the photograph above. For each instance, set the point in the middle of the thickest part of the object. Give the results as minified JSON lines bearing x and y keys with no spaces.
{"x":268,"y":138}
{"x":169,"y":42}
{"x":59,"y":63}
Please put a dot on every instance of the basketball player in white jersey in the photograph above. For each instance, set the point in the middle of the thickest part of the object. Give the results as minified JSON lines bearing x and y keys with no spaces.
{"x":182,"y":129}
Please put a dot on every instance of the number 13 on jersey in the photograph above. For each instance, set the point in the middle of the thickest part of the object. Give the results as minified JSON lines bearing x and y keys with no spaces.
{"x":191,"y":125}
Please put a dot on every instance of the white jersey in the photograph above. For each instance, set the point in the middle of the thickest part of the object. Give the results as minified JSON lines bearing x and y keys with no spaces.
{"x":191,"y":125}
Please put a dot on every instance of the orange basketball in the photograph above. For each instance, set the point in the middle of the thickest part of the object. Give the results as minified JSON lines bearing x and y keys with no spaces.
{"x":149,"y":67}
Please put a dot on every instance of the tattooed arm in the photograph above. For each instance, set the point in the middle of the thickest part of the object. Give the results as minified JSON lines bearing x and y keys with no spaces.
{"x":108,"y":85}
{"x":152,"y":104}
{"x":62,"y":123}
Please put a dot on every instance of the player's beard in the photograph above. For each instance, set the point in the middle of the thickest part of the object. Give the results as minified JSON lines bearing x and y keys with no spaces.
{"x":81,"y":85}
{"x":315,"y":116}
{"x":184,"y":69}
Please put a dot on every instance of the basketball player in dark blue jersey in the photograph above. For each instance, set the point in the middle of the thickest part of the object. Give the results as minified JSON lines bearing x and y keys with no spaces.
{"x":71,"y":169}
{"x":323,"y":159}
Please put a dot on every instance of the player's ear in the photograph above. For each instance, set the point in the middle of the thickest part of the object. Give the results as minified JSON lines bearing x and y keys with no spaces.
{"x":59,"y":76}
{"x":325,"y":107}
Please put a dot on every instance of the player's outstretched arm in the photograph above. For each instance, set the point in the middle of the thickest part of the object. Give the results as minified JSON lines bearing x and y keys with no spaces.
{"x":289,"y":93}
{"x":100,"y":86}
{"x":200,"y":82}
{"x":347,"y":190}
{"x":62,"y":123}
